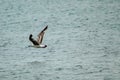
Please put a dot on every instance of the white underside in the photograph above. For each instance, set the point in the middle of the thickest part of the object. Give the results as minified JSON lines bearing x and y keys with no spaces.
{"x":37,"y":46}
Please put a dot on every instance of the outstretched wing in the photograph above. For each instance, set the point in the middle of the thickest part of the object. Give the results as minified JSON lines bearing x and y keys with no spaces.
{"x":41,"y":34}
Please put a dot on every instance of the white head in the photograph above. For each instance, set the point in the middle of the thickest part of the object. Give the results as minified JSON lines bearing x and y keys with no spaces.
{"x":43,"y":46}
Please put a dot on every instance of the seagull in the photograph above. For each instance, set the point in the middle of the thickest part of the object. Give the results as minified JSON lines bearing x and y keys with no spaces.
{"x":38,"y":43}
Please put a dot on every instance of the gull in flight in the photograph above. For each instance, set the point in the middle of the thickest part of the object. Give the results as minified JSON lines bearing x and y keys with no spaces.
{"x":38,"y":43}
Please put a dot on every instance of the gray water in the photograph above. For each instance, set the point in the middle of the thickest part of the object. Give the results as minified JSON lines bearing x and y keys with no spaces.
{"x":83,"y":39}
